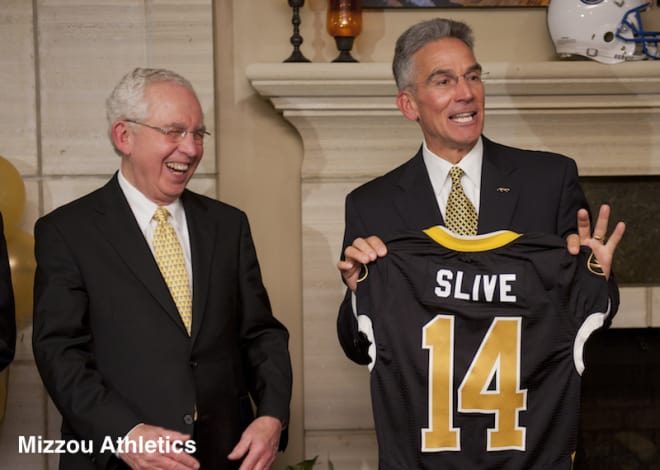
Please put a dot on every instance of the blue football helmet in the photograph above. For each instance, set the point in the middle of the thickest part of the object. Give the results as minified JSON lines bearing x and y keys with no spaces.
{"x":607,"y":31}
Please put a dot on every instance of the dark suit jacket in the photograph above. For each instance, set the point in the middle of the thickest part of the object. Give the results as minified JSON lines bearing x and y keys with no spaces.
{"x":521,"y":190}
{"x":111,"y":347}
{"x":7,"y":313}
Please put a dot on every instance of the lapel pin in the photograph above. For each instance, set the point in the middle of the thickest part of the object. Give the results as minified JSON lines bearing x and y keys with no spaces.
{"x":503,"y":190}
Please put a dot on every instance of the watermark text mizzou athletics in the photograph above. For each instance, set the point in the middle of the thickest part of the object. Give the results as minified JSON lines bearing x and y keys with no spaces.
{"x":162,"y":445}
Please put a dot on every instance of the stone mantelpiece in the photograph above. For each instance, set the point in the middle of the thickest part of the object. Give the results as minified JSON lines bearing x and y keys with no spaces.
{"x":593,"y":112}
{"x":606,"y":117}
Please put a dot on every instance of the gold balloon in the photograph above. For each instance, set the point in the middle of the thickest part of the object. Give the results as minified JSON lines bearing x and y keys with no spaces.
{"x":12,"y":196}
{"x":20,"y":246}
{"x":22,"y":264}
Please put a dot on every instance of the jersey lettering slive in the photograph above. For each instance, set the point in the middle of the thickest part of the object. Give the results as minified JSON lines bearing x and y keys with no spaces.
{"x":476,"y":349}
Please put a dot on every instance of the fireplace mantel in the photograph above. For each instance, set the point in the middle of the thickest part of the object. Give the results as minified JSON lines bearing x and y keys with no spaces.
{"x":541,"y":79}
{"x":605,"y":117}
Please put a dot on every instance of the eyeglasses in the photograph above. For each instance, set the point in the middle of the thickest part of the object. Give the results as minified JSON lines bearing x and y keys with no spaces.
{"x":175,"y":134}
{"x":448,"y":81}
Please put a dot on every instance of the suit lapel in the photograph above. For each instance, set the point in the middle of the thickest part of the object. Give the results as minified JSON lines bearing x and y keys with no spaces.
{"x":417,"y":206}
{"x":117,"y":222}
{"x":203,"y":240}
{"x":499,"y":191}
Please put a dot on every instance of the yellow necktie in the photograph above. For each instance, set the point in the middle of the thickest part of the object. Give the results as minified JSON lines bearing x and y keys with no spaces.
{"x":172,"y":265}
{"x":461,"y":218}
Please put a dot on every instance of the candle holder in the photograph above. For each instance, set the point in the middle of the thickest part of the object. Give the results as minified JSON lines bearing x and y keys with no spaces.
{"x":344,"y":23}
{"x":296,"y":38}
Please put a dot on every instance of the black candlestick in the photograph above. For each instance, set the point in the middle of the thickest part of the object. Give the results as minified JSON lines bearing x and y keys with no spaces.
{"x":296,"y":39}
{"x":344,"y":46}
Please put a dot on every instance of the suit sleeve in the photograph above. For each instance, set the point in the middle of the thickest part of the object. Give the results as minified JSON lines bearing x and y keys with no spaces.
{"x":354,"y":344}
{"x":264,"y":339}
{"x":63,"y":344}
{"x":7,"y":311}
{"x":573,"y":199}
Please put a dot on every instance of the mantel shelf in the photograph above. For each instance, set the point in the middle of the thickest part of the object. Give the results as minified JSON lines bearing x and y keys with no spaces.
{"x":535,"y":84}
{"x":604,"y":116}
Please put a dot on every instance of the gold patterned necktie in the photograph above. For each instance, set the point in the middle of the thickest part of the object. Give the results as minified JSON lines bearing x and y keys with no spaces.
{"x":461,"y":218}
{"x":172,"y":265}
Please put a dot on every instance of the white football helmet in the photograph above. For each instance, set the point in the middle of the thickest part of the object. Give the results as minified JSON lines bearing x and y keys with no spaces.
{"x":608,"y":31}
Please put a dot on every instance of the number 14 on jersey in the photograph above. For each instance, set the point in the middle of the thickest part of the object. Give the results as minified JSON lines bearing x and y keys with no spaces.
{"x":491,"y":385}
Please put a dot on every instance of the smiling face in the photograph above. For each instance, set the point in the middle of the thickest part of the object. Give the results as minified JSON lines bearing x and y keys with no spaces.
{"x":156,"y":165}
{"x":447,"y":99}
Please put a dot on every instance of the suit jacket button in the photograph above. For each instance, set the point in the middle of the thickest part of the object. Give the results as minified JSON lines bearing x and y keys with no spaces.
{"x":188,"y":419}
{"x":193,"y":364}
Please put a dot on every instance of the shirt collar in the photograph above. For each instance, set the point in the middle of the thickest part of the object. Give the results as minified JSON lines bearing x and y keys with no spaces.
{"x":471,"y":163}
{"x":143,"y":208}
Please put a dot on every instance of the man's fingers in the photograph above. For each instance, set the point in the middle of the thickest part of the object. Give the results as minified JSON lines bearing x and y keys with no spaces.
{"x":599,"y":233}
{"x":183,"y":458}
{"x":345,"y":266}
{"x":350,"y":273}
{"x":584,"y":226}
{"x":359,"y":254}
{"x":365,"y":250}
{"x":573,"y":243}
{"x":377,"y":245}
{"x":160,"y":461}
{"x":240,"y":449}
{"x":362,"y":251}
{"x":158,"y":457}
{"x":260,"y":440}
{"x":616,"y":235}
{"x":600,"y":229}
{"x":253,"y":460}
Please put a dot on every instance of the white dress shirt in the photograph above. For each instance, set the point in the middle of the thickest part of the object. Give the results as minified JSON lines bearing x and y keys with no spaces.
{"x":144,"y":209}
{"x":438,"y":170}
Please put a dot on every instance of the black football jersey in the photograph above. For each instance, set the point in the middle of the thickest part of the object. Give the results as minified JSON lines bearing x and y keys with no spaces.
{"x":476,"y":348}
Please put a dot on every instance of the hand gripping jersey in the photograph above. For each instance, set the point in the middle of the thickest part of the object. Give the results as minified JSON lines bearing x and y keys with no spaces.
{"x":476,"y":349}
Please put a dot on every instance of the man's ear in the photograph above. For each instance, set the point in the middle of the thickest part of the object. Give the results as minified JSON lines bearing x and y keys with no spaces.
{"x":406,"y":103}
{"x":122,"y":137}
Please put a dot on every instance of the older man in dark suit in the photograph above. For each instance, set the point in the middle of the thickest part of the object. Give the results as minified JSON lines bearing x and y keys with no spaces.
{"x":151,"y":322}
{"x":441,"y":88}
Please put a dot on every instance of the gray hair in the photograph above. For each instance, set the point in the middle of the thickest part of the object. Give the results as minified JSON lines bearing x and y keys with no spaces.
{"x":127,"y":100}
{"x":418,"y":36}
